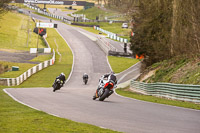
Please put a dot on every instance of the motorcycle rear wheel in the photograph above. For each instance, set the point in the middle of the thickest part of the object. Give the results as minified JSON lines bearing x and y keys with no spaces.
{"x":85,"y":81}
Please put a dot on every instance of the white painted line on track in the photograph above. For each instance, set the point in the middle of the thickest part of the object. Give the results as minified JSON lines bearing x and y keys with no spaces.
{"x":109,"y":63}
{"x":19,"y":101}
{"x":27,"y":104}
{"x":127,"y":74}
{"x":129,"y":68}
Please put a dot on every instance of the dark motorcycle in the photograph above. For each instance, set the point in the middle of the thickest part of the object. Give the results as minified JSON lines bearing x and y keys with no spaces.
{"x":106,"y":89}
{"x":85,"y":80}
{"x":57,"y":85}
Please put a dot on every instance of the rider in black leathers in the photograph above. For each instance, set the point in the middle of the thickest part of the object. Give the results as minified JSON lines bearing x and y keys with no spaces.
{"x":85,"y":76}
{"x":62,"y":78}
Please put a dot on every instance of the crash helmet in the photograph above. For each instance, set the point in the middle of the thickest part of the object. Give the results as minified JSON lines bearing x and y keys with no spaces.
{"x":62,"y":74}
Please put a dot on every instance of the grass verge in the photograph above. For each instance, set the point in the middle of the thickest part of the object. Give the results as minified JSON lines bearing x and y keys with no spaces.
{"x":119,"y":64}
{"x":62,"y":64}
{"x":23,"y":67}
{"x":128,"y":93}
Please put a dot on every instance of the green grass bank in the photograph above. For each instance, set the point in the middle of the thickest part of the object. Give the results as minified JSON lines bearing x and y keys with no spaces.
{"x":13,"y":32}
{"x":128,"y":93}
{"x":119,"y":64}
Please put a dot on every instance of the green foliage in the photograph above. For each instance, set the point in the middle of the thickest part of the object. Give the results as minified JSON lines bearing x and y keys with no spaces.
{"x":127,"y":93}
{"x":164,"y":29}
{"x":120,"y":64}
{"x":152,"y":31}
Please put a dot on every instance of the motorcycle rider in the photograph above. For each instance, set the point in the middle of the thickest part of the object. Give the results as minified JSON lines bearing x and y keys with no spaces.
{"x":85,"y":77}
{"x":62,"y":78}
{"x":110,"y":77}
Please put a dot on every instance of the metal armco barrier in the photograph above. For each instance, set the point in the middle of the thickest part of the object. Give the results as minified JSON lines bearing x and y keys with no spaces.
{"x":105,"y":46}
{"x":182,"y":92}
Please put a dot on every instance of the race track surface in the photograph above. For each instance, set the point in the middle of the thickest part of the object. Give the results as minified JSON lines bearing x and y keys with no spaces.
{"x":74,"y":100}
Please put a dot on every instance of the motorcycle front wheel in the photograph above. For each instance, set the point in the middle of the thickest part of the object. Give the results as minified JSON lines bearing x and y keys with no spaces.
{"x":105,"y":94}
{"x":56,"y":87}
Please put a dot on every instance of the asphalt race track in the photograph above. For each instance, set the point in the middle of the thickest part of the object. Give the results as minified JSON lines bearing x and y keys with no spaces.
{"x":74,"y":100}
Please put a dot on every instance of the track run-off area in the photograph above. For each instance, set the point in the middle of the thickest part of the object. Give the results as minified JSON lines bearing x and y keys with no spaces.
{"x":74,"y":100}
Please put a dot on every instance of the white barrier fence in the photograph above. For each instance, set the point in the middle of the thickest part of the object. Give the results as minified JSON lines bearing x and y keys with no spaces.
{"x":28,"y":73}
{"x":111,"y":35}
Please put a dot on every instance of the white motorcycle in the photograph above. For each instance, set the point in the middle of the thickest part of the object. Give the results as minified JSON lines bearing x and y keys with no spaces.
{"x":105,"y":89}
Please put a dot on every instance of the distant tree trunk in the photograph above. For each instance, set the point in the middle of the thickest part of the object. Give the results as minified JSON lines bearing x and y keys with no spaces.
{"x":174,"y":22}
{"x":105,"y":2}
{"x":195,"y":21}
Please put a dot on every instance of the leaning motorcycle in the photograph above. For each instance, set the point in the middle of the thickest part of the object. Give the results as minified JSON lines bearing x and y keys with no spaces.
{"x":106,"y":89}
{"x":57,"y":85}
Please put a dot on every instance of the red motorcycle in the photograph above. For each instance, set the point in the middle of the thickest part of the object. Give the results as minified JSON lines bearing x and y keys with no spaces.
{"x":105,"y":89}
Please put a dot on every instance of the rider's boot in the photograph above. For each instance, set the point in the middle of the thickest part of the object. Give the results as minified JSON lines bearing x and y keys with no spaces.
{"x":96,"y":95}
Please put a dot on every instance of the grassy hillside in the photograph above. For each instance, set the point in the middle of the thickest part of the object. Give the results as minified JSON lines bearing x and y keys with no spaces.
{"x":91,"y":13}
{"x":119,"y":64}
{"x":180,"y":70}
{"x":13,"y":32}
{"x":13,"y":38}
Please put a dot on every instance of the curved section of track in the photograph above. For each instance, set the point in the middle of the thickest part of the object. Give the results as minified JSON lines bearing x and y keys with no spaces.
{"x":74,"y":100}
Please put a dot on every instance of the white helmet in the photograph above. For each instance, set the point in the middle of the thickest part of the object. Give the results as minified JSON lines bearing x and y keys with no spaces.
{"x":62,"y":74}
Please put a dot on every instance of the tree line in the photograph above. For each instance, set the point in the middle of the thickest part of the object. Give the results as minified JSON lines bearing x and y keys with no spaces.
{"x":163,"y":28}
